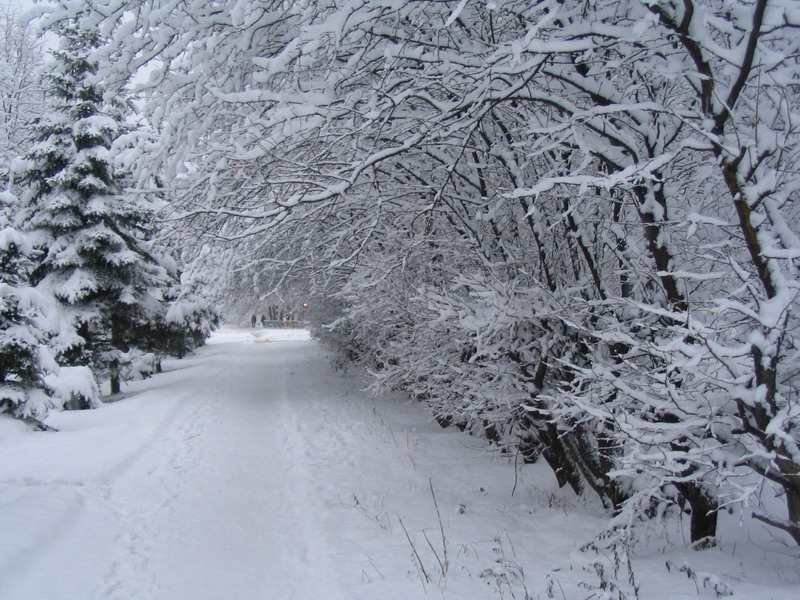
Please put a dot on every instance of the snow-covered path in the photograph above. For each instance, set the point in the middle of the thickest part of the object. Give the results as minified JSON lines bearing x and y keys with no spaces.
{"x":199,"y":487}
{"x":240,"y":516}
{"x":226,"y":477}
{"x":253,"y":471}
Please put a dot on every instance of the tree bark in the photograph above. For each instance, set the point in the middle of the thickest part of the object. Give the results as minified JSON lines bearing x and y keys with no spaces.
{"x":703,"y":519}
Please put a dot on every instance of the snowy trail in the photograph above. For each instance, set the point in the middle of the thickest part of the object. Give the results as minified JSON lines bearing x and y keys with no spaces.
{"x":253,"y":471}
{"x":203,"y":495}
{"x":242,"y":520}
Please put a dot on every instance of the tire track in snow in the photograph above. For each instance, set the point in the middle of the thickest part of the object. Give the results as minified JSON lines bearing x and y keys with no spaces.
{"x":239,"y":519}
{"x":58,"y":502}
{"x":91,"y":507}
{"x":129,"y":575}
{"x":303,"y":447}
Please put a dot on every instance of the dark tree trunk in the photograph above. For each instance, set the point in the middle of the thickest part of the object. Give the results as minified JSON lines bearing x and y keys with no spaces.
{"x":555,"y":454}
{"x":596,"y":464}
{"x":530,"y":448}
{"x":118,"y":344}
{"x":793,"y":504}
{"x":703,"y":520}
{"x":116,"y":386}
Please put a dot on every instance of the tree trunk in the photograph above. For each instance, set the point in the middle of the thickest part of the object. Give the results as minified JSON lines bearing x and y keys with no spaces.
{"x":116,"y":386}
{"x":595,"y":464}
{"x":117,"y":345}
{"x":703,"y":520}
{"x":555,"y":454}
{"x":793,"y":503}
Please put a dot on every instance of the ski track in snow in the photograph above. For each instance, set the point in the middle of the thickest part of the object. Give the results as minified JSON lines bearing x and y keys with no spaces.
{"x":253,"y":471}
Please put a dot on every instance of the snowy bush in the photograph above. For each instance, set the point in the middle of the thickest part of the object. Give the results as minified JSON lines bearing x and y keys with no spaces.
{"x":74,"y":387}
{"x":136,"y":364}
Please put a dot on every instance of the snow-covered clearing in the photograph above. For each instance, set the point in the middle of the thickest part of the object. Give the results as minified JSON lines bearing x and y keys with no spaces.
{"x":251,"y":470}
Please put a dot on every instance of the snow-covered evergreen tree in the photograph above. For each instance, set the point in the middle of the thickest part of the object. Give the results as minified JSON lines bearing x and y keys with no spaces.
{"x":190,"y":318}
{"x":25,"y":359}
{"x":185,"y":319}
{"x":91,"y":233}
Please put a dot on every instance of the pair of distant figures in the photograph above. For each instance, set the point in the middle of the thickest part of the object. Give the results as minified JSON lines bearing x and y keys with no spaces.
{"x":253,"y":321}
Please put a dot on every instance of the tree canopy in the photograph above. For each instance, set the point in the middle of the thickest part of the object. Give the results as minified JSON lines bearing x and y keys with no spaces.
{"x":571,"y":226}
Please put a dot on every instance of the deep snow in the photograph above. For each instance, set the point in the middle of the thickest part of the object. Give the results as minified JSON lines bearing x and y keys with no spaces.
{"x":253,"y":471}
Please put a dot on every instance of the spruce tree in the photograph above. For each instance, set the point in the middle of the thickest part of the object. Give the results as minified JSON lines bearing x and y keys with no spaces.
{"x":25,"y":359}
{"x":190,"y":318}
{"x":91,"y":233}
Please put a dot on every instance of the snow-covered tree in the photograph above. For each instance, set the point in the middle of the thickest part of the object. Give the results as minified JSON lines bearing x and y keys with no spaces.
{"x":91,"y":232}
{"x":190,"y":318}
{"x":569,"y":225}
{"x":187,"y":317}
{"x":21,"y":94}
{"x":25,"y":358}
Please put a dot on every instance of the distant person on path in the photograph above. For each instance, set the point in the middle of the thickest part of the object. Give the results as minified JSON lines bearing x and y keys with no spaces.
{"x":253,"y":321}
{"x":263,"y":321}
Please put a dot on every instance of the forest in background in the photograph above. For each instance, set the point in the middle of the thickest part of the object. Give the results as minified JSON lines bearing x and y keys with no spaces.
{"x":569,"y":226}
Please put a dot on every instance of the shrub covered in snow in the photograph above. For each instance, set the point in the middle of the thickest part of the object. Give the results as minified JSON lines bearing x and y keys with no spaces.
{"x":75,"y":387}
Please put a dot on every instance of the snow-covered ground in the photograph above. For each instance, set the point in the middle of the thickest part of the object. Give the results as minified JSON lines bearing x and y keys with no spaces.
{"x":251,"y":470}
